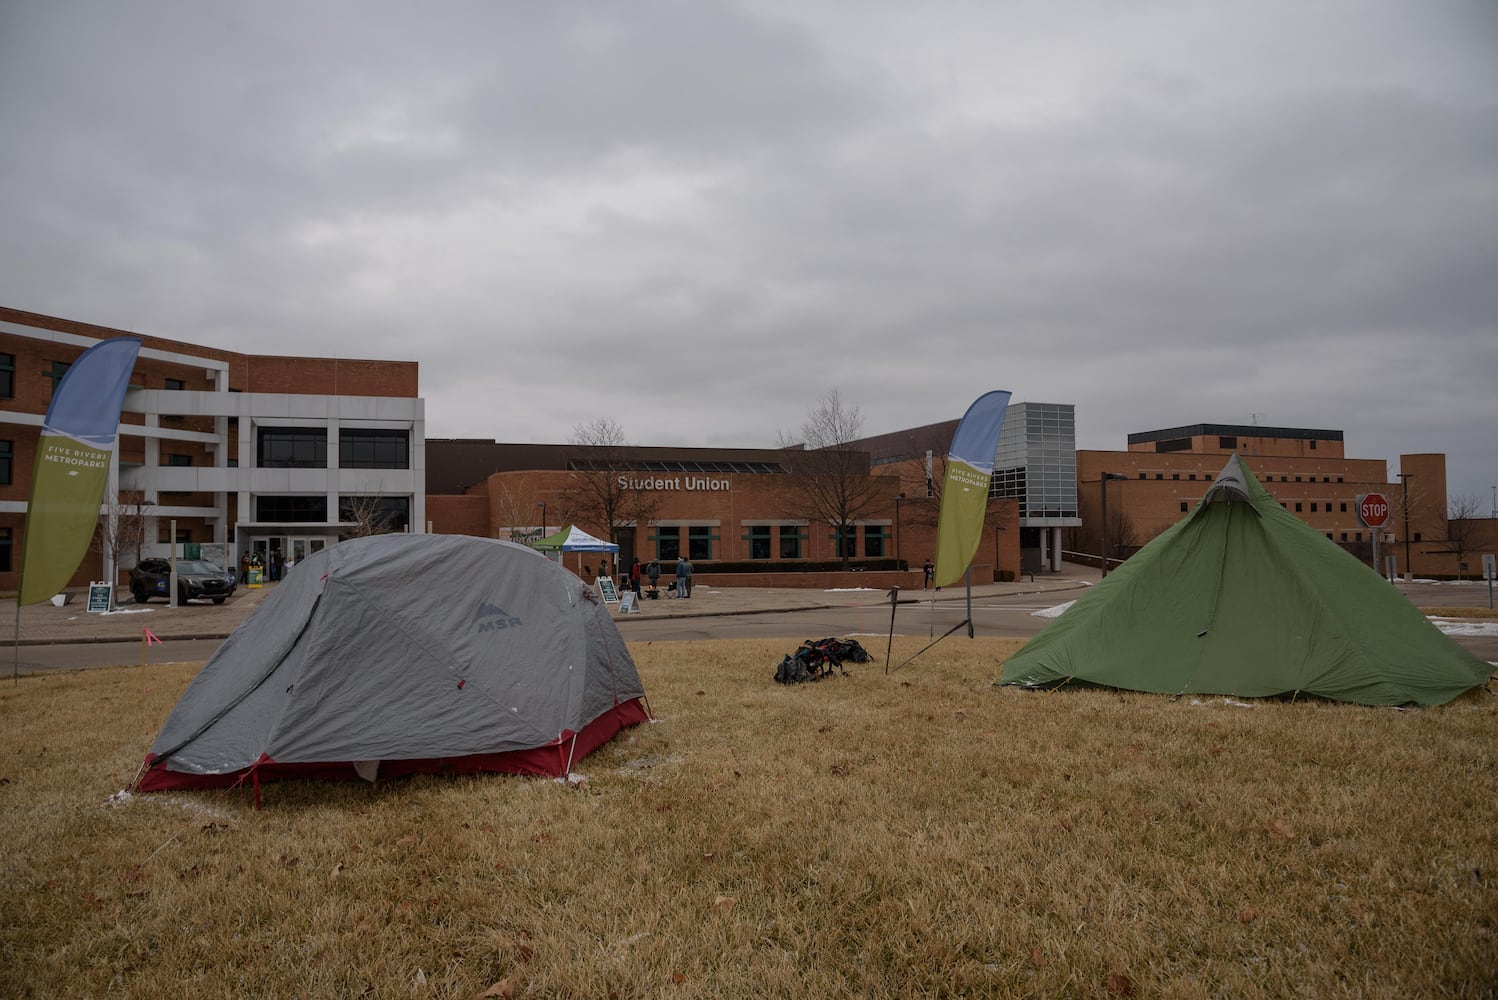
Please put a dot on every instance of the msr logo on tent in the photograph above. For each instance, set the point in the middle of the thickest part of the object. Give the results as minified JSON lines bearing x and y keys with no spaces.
{"x":492,"y":619}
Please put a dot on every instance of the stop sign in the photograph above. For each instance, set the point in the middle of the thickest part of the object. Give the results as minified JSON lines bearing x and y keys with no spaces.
{"x":1373,"y":510}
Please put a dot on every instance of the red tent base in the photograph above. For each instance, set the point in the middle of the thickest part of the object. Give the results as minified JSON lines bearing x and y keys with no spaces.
{"x":551,"y":761}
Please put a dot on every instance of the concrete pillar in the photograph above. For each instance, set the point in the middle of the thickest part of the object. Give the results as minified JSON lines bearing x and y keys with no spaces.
{"x":1055,"y":550}
{"x":1045,"y":538}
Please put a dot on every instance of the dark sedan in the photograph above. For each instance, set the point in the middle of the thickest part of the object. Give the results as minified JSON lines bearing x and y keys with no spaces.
{"x":195,"y":578}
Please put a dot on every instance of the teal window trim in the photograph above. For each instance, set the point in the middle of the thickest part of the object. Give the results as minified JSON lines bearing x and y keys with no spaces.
{"x":56,"y":372}
{"x":764,"y":534}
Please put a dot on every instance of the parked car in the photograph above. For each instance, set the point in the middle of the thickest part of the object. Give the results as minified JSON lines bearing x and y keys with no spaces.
{"x":195,"y":578}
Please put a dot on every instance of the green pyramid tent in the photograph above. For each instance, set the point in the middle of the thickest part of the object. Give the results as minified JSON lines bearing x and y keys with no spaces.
{"x":1243,"y":598}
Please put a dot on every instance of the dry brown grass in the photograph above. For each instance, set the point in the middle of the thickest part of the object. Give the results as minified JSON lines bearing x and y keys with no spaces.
{"x":925,"y":834}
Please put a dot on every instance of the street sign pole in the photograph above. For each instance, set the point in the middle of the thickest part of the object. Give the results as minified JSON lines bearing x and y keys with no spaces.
{"x":1373,"y":511}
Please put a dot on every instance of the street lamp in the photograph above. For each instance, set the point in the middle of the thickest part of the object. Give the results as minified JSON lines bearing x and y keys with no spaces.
{"x":543,"y":518}
{"x":1404,"y":478}
{"x":1107,"y":476}
{"x":899,"y":499}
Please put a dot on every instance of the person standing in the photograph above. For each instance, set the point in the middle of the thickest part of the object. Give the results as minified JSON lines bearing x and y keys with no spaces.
{"x":688,"y":564}
{"x":930,"y":572}
{"x":654,"y":572}
{"x":634,"y":578}
{"x":681,"y":576}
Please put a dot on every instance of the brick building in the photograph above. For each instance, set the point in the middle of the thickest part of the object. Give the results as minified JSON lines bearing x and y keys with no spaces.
{"x":243,"y":451}
{"x":1165,"y":472}
{"x":723,"y":505}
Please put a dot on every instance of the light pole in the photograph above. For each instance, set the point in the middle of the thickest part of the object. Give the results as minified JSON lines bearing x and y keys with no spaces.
{"x":543,"y":518}
{"x":1107,"y":476}
{"x":1404,"y":484}
{"x":899,"y":499}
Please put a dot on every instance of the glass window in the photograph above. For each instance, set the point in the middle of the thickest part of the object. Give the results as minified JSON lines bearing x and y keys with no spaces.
{"x":1417,"y":536}
{"x":5,"y":550}
{"x":178,"y":460}
{"x":790,"y":541}
{"x":381,"y":515}
{"x":667,"y":542}
{"x":6,"y":454}
{"x":1298,"y":506}
{"x":873,"y":540}
{"x":57,"y":371}
{"x":845,"y":542}
{"x":164,"y":533}
{"x":361,"y":448}
{"x":699,"y":542}
{"x":7,"y":376}
{"x":1183,"y":507}
{"x":1343,"y":509}
{"x":759,"y":541}
{"x":294,"y":448}
{"x":286,"y":509}
{"x":1230,"y":443}
{"x":175,"y":384}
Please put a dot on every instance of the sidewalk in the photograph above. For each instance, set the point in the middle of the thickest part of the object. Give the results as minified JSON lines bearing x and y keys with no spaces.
{"x":43,"y":624}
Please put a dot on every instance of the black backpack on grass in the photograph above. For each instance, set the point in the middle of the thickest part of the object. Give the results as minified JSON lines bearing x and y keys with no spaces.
{"x":816,"y":658}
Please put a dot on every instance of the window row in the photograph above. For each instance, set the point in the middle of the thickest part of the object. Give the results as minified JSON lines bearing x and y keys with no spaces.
{"x":377,"y":514}
{"x":358,"y":448}
{"x":768,"y":542}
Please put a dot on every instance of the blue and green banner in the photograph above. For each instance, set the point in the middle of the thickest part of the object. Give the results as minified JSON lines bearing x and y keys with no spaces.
{"x":72,"y":466}
{"x":964,"y":492}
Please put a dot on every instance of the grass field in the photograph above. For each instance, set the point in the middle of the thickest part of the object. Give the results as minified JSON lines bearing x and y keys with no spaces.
{"x":921,"y":834}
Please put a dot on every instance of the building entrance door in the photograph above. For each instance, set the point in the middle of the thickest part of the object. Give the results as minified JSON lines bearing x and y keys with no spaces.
{"x":278,"y":553}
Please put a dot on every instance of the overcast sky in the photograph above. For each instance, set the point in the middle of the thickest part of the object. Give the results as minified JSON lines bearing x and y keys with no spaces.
{"x":697,"y":217}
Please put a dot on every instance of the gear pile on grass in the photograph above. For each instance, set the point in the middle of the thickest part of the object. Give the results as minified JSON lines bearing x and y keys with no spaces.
{"x":816,"y":659}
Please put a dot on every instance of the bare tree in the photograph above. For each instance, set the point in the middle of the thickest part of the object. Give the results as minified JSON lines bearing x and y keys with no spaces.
{"x":1462,"y":529}
{"x":121,"y":530}
{"x":518,"y":514}
{"x":363,"y":516}
{"x":600,"y":492}
{"x":833,"y":482}
{"x":1122,"y":535}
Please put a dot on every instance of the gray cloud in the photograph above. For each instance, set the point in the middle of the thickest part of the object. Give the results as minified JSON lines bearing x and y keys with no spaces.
{"x":696,"y":217}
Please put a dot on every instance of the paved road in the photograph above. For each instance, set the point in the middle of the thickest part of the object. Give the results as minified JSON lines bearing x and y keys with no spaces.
{"x":995,"y":615}
{"x":992,"y":616}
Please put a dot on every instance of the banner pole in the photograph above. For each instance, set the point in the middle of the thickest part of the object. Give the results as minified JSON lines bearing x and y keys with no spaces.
{"x":970,"y":602}
{"x":893,"y":596}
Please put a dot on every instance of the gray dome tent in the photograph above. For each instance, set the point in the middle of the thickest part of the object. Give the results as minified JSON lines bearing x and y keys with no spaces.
{"x":403,"y":654}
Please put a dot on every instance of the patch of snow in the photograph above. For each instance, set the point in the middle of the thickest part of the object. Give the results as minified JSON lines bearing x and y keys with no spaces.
{"x":849,"y":590}
{"x":128,"y":611}
{"x":1466,"y":626}
{"x":119,"y":798}
{"x":1054,"y":612}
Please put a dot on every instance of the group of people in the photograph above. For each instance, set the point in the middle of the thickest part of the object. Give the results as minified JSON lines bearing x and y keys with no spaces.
{"x":652,"y":571}
{"x":272,"y":562}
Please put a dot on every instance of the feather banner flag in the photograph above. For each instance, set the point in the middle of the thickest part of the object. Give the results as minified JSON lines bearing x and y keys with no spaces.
{"x":964,"y":491}
{"x":72,"y":465}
